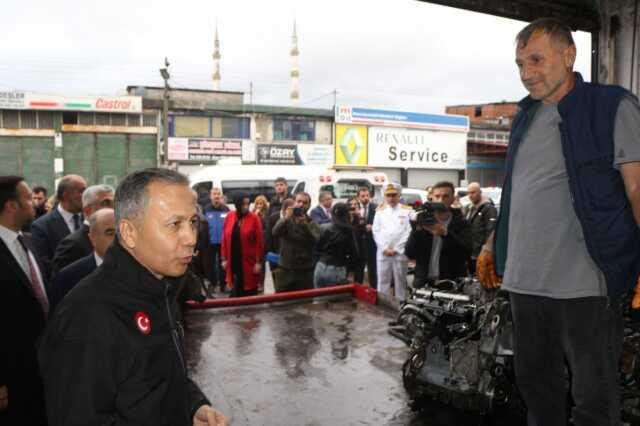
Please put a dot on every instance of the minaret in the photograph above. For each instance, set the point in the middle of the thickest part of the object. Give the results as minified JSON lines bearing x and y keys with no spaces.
{"x":295,"y":71}
{"x":216,"y":62}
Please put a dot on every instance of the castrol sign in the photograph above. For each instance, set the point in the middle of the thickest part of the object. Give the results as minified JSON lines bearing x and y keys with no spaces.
{"x":31,"y":100}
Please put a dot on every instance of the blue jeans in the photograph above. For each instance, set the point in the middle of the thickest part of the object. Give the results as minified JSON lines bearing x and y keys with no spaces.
{"x":325,"y":275}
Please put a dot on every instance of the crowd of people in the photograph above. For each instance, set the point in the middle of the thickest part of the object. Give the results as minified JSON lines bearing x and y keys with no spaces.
{"x":357,"y":241}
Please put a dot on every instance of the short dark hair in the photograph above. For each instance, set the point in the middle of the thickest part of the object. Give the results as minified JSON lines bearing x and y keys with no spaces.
{"x":131,"y":197}
{"x":323,"y":194}
{"x":38,"y":189}
{"x":554,"y":27}
{"x":280,"y":179}
{"x":363,"y":188}
{"x":445,"y":184}
{"x":9,"y":189}
{"x":305,"y":194}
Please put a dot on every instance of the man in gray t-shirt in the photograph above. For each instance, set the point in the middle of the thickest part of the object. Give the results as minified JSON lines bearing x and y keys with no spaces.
{"x":559,"y":302}
{"x":547,"y":255}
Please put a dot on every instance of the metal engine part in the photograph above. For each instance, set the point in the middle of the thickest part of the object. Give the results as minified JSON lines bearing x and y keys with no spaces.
{"x":461,"y":346}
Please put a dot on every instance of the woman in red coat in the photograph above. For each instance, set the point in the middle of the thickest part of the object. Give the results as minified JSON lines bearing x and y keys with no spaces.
{"x":242,"y":248}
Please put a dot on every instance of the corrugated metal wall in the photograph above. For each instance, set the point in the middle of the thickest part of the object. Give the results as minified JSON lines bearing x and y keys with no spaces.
{"x":31,"y":157}
{"x":107,"y":158}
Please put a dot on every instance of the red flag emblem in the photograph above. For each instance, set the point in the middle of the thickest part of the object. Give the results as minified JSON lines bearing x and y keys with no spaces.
{"x":143,"y":322}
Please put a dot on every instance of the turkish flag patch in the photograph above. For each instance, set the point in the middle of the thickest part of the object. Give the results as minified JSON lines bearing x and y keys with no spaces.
{"x":143,"y":322}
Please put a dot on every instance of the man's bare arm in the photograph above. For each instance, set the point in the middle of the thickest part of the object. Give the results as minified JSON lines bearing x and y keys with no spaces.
{"x":631,"y":176}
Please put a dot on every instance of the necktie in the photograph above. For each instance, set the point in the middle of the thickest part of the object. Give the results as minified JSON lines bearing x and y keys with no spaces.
{"x":36,"y":285}
{"x":76,"y":222}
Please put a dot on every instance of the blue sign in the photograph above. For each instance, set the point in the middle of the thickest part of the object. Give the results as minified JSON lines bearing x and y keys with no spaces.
{"x":410,"y":120}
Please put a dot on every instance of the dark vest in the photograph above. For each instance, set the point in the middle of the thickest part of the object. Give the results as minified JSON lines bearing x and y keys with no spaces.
{"x":611,"y":234}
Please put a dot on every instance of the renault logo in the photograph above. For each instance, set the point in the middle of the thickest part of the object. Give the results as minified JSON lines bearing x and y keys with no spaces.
{"x":351,"y":154}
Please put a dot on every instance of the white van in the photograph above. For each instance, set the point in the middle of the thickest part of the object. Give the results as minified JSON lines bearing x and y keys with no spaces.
{"x":342,"y":183}
{"x":252,"y":179}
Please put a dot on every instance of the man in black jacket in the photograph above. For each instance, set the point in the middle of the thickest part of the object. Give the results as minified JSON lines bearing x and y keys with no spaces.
{"x":282,"y":193}
{"x":23,"y":310}
{"x":441,"y":249}
{"x":368,"y":256}
{"x":113,"y":352}
{"x":77,"y":244}
{"x":481,"y":215}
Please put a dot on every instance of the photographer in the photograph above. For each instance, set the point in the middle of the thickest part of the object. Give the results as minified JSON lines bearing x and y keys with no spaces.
{"x":298,"y":235}
{"x":336,"y":249}
{"x":441,"y":241}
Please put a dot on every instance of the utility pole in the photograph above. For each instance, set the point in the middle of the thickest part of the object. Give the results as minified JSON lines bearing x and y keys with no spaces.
{"x":164,"y":72}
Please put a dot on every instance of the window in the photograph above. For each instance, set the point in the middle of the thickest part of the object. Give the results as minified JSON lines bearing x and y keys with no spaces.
{"x":298,"y":188}
{"x":252,"y":187}
{"x":70,"y":118}
{"x":86,"y":118}
{"x":191,"y":126}
{"x":347,"y":188}
{"x":234,"y":128}
{"x":149,"y":120}
{"x":478,"y":111}
{"x":45,"y":120}
{"x":10,"y":119}
{"x":28,"y":120}
{"x":103,"y":119}
{"x":293,"y":130}
{"x":118,"y":119}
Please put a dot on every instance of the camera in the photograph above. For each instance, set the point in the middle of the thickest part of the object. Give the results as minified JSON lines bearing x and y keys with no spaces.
{"x":426,"y":213}
{"x":298,"y":211}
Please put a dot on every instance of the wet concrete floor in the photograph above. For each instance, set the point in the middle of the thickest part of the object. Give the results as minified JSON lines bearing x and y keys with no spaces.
{"x":322,"y":363}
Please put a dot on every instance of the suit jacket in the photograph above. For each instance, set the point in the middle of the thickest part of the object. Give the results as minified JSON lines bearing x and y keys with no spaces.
{"x":319,"y":216}
{"x":22,"y":320}
{"x":69,"y":276}
{"x":369,"y":242}
{"x":47,"y":232}
{"x":72,"y":247}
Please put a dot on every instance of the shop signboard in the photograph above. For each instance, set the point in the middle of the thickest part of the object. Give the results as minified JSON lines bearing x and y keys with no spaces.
{"x":203,"y":149}
{"x":418,"y":149}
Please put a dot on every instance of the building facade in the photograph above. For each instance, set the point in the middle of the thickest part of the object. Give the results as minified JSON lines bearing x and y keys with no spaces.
{"x":43,"y":137}
{"x":487,"y":140}
{"x":208,"y":127}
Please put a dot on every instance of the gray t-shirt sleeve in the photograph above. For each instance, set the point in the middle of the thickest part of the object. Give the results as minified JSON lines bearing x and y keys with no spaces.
{"x":626,"y":135}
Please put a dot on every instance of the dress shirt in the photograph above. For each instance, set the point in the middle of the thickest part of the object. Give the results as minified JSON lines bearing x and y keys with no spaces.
{"x":68,"y":218}
{"x":10,"y":239}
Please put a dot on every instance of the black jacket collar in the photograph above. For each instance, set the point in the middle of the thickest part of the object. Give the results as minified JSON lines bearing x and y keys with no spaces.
{"x":128,"y":272}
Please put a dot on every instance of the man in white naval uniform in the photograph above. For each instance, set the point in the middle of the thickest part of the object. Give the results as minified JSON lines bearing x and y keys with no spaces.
{"x":391,"y":229}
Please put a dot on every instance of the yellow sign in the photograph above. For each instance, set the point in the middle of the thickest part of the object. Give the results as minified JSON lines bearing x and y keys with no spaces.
{"x":351,"y":145}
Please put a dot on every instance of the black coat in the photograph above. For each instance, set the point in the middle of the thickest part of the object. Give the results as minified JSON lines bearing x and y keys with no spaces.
{"x":47,"y":232}
{"x":68,"y":277}
{"x":72,"y":247}
{"x":456,"y":249}
{"x":337,"y":245}
{"x":482,"y":221}
{"x":21,"y":323}
{"x":113,"y":352}
{"x":271,"y":244}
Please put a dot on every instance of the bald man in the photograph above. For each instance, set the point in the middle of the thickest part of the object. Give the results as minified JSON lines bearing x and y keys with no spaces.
{"x":481,"y":215}
{"x":50,"y":229}
{"x":101,"y":232}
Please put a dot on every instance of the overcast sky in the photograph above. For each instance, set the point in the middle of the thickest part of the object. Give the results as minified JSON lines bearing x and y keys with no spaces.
{"x":395,"y":54}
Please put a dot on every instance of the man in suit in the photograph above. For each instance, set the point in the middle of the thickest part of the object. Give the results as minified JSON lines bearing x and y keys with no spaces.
{"x":368,"y":212}
{"x":321,"y":214}
{"x":77,"y":245}
{"x":50,"y":229}
{"x":101,"y":231}
{"x":23,"y":310}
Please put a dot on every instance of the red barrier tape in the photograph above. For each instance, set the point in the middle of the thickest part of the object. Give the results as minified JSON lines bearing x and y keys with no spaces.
{"x":363,"y":293}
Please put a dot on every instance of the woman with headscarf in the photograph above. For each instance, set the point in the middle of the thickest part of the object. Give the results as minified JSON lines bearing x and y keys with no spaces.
{"x":336,"y":249}
{"x":242,"y":248}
